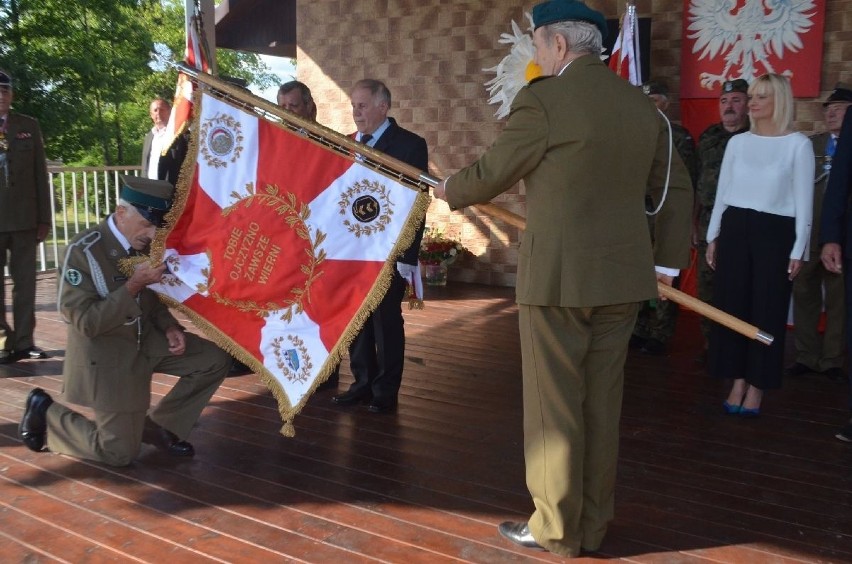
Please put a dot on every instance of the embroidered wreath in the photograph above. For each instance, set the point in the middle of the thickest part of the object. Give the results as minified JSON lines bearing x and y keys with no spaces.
{"x":295,"y":216}
{"x":380,"y":193}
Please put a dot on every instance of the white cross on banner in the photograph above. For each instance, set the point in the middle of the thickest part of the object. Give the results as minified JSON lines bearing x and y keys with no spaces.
{"x":278,"y":248}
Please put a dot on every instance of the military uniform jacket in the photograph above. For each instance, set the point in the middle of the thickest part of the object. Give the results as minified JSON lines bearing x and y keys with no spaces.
{"x":104,"y":368}
{"x":588,"y":146}
{"x":711,"y":150}
{"x":25,"y":198}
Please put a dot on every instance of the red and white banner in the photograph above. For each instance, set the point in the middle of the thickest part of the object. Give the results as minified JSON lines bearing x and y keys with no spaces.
{"x":195,"y":56}
{"x":624,"y":60}
{"x":730,"y":39}
{"x":278,"y":249}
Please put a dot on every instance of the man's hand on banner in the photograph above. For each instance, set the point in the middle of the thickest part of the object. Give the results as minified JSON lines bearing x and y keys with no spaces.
{"x":440,"y":190}
{"x":144,"y":274}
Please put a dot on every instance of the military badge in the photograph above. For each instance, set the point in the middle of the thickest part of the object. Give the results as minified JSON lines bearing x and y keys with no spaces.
{"x":73,"y":277}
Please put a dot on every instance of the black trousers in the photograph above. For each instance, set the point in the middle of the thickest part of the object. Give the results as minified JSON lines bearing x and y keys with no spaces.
{"x":751,"y":283}
{"x":376,"y":355}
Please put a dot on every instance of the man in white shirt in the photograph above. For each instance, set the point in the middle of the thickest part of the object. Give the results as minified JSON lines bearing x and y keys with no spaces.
{"x":155,"y":140}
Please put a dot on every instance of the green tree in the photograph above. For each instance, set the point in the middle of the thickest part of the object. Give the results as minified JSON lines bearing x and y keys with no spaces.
{"x":83,"y":68}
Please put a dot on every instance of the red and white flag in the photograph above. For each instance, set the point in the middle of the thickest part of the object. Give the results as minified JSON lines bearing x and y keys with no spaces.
{"x":195,"y":56}
{"x":624,"y":60}
{"x":278,"y":248}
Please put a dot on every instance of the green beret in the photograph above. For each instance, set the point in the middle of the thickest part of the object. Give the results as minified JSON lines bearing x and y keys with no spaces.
{"x":152,"y":198}
{"x":738,"y":85}
{"x":555,"y":11}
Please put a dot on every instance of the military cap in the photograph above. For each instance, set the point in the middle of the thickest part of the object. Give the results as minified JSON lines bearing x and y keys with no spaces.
{"x":152,"y":198}
{"x":842,"y":93}
{"x":567,"y":10}
{"x":5,"y":79}
{"x":652,"y":87}
{"x":738,"y":85}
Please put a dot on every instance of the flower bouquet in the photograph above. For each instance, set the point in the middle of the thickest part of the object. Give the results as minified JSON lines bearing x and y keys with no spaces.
{"x":436,"y":253}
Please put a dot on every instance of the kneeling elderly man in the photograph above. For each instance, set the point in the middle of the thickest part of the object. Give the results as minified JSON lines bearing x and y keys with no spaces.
{"x":119,"y":334}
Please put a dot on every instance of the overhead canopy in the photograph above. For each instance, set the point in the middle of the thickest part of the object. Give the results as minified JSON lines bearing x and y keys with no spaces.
{"x":266,"y":27}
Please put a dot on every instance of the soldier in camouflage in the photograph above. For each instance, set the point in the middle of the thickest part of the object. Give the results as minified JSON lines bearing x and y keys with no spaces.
{"x":656,"y":321}
{"x":815,"y":286}
{"x":733,"y":109}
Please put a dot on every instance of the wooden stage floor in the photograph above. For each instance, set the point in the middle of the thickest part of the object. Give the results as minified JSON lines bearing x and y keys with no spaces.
{"x":430,"y":483}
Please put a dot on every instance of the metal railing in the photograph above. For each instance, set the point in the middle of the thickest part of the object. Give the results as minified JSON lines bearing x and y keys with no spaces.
{"x":82,"y":197}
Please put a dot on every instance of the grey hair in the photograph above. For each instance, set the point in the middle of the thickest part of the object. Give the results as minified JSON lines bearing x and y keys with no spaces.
{"x":583,"y":38}
{"x":128,"y":206}
{"x":377,"y":89}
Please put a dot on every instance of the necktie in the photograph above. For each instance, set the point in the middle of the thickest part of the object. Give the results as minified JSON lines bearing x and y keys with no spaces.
{"x":830,"y":146}
{"x":365,"y":138}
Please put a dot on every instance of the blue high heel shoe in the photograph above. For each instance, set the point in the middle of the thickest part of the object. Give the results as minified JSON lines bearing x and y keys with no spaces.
{"x":731,"y":409}
{"x":749,"y":413}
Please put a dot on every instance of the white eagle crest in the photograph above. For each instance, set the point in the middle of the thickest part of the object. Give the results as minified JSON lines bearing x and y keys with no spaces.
{"x":748,"y":35}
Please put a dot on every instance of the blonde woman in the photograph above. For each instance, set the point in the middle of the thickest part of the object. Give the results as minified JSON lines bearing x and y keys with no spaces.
{"x":757,"y":239}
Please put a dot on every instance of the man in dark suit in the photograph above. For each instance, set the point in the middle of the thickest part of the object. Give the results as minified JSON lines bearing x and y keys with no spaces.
{"x":589,"y":147}
{"x":155,"y":141}
{"x":25,"y":220}
{"x":119,"y":334}
{"x":836,"y":233}
{"x":377,"y":353}
{"x":815,"y":287}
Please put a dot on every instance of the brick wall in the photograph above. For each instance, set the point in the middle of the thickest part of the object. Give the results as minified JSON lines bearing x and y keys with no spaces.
{"x":431,"y":54}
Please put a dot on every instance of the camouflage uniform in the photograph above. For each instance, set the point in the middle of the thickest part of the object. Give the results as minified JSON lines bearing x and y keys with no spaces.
{"x":711,"y":149}
{"x":657,"y":319}
{"x":815,"y":352}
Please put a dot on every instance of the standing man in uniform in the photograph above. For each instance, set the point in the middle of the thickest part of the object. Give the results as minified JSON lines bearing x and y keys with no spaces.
{"x":585,"y":263}
{"x":836,"y":234}
{"x":733,"y":109}
{"x":377,"y":354}
{"x":814,"y":352}
{"x":119,"y":334}
{"x":656,"y":321}
{"x":25,"y":220}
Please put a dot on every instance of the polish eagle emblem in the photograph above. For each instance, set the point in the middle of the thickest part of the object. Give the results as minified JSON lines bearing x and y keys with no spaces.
{"x":747,"y":35}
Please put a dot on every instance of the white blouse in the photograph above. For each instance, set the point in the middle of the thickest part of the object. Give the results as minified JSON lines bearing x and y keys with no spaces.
{"x":768,"y":174}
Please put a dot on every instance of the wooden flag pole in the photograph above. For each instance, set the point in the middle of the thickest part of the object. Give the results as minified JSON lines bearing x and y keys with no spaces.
{"x":665,"y":290}
{"x":417,"y":179}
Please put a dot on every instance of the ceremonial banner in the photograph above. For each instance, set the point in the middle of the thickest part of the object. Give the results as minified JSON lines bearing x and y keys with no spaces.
{"x":624,"y":60}
{"x":278,"y":248}
{"x":195,"y":56}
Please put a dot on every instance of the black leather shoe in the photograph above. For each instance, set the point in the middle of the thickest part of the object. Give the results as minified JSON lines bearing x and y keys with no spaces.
{"x":379,"y":406}
{"x":352,"y":397}
{"x":33,"y":428}
{"x":519,"y":533}
{"x":6,"y":357}
{"x":835,"y":374}
{"x":238,"y":369}
{"x":165,"y":440}
{"x":797,"y":369}
{"x":32,"y":353}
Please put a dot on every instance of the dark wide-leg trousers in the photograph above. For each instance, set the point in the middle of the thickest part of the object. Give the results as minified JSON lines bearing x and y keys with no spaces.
{"x":752,"y":283}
